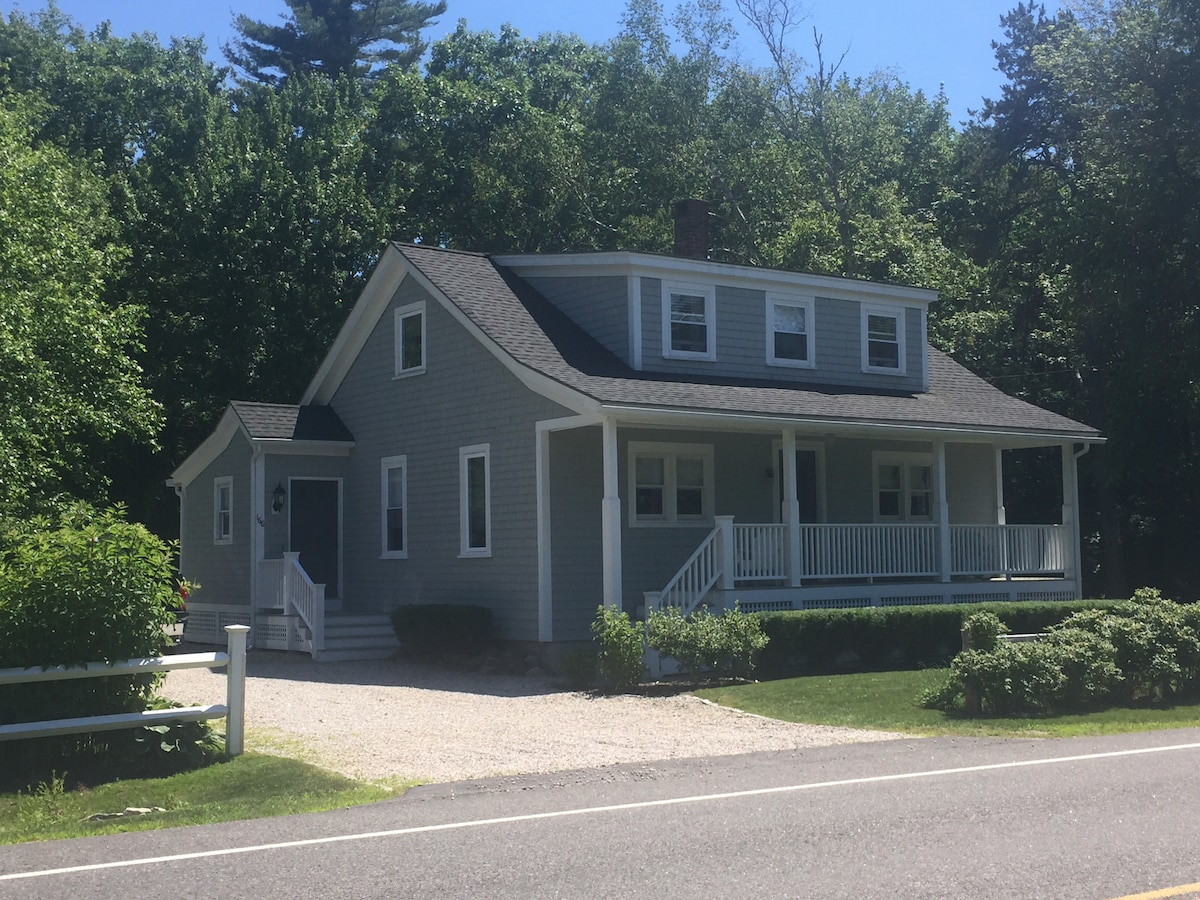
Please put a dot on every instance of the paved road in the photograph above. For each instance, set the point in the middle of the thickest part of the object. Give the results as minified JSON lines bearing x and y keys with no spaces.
{"x":934,"y":818}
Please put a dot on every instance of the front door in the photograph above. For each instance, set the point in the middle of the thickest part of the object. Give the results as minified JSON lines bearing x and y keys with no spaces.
{"x":314,"y":528}
{"x":806,"y":485}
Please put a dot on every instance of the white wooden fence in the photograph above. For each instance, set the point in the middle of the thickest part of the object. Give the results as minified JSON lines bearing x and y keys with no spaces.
{"x":233,"y":710}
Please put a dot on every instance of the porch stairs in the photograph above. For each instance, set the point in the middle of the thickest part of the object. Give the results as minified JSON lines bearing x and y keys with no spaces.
{"x":353,"y":636}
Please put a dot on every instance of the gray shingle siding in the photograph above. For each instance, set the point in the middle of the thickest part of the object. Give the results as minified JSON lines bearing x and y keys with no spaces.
{"x":277,"y":469}
{"x":597,"y":304}
{"x":465,"y":397}
{"x":221,"y":570}
{"x":971,"y":484}
{"x":576,"y":494}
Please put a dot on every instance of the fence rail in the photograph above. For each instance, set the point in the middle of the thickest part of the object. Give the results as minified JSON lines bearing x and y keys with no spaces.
{"x":233,"y":710}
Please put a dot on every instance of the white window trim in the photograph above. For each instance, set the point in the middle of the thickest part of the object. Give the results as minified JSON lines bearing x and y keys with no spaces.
{"x":809,"y":306}
{"x":386,"y":463}
{"x":464,"y":454}
{"x":402,"y":313}
{"x":219,"y":536}
{"x":709,"y":293}
{"x":904,"y":460}
{"x":669,"y":453}
{"x":892,"y":312}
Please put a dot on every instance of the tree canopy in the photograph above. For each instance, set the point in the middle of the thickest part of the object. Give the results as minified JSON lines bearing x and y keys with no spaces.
{"x":332,"y":38}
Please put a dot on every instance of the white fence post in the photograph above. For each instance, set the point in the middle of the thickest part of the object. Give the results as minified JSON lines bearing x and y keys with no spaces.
{"x":235,"y":690}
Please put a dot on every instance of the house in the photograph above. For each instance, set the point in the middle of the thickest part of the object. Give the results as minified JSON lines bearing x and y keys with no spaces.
{"x":542,"y":434}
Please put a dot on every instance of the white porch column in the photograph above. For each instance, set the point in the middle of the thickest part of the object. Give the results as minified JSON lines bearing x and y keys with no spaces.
{"x":545,"y":557}
{"x":1070,"y":515}
{"x":791,"y":506}
{"x":943,"y":509}
{"x":728,"y":552}
{"x":1000,"y":513}
{"x":610,"y":518}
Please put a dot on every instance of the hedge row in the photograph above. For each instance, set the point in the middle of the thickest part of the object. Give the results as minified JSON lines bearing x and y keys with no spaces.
{"x":829,"y":641}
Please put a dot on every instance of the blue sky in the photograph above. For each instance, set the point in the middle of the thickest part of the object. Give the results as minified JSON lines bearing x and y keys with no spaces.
{"x":926,"y":42}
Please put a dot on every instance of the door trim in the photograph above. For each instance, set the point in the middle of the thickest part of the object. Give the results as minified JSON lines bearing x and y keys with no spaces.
{"x":816,"y":447}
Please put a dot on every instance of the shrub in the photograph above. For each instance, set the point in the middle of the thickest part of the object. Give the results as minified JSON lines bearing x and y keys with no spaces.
{"x":437,"y":629}
{"x":829,"y":641}
{"x":87,"y":587}
{"x":1146,"y":649}
{"x":619,"y":659}
{"x":724,"y":645}
{"x":982,"y":629}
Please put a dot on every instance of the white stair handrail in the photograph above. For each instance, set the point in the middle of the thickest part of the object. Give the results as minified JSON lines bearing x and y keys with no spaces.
{"x":700,"y":574}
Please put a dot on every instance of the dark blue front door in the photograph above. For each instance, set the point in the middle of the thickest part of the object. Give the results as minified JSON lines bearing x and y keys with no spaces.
{"x":314,"y":530}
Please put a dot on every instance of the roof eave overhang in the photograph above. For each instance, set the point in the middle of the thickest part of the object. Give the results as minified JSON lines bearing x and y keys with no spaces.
{"x":200,"y":458}
{"x":290,"y":447}
{"x":692,"y":418}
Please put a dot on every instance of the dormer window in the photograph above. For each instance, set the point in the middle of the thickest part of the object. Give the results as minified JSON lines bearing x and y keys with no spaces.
{"x":689,"y":312}
{"x":883,"y":340}
{"x":790,"y":332}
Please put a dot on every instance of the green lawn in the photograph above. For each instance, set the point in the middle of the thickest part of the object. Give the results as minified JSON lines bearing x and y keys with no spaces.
{"x":888,"y":701}
{"x":249,"y":787}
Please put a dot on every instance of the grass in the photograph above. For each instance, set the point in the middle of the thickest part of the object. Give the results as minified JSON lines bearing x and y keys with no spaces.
{"x":887,"y":701}
{"x":251,"y":786}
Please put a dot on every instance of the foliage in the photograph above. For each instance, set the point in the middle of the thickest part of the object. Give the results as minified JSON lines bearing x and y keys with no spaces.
{"x":438,"y":629}
{"x":69,"y":387}
{"x":1146,"y":650}
{"x":894,"y":637}
{"x":620,"y":657}
{"x":702,"y":643}
{"x":982,"y":629}
{"x":88,"y":587}
{"x":332,"y":38}
{"x":579,"y":669}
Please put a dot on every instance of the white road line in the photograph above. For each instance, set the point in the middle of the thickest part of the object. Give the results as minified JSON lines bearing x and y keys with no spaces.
{"x":591,"y":810}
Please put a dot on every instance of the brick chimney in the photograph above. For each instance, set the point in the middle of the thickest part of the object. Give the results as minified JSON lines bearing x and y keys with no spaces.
{"x":691,"y":229}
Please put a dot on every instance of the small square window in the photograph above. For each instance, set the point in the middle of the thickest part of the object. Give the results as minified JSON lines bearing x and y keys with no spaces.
{"x":670,"y":483}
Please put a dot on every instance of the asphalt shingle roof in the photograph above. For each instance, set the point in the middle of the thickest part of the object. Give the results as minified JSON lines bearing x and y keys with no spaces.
{"x":539,"y":336}
{"x":287,"y":422}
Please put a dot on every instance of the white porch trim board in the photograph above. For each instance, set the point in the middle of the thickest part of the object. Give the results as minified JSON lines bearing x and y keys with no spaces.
{"x":611,"y":518}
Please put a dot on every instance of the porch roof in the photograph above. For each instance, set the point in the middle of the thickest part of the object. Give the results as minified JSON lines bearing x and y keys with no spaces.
{"x":290,"y":422}
{"x":538,"y":336}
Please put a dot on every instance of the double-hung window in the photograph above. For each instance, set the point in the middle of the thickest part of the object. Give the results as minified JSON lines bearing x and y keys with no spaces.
{"x":689,"y":312}
{"x":670,"y":483}
{"x":475,"y":500}
{"x":223,"y":510}
{"x":790,"y":332}
{"x":903,"y":487}
{"x":883,"y":340}
{"x":393,"y":490}
{"x":409,"y":327}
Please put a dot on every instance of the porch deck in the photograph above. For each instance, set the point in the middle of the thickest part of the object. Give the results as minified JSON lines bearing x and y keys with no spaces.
{"x":829,"y":566}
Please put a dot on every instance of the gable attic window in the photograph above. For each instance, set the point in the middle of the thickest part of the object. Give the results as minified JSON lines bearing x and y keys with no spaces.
{"x":689,"y":312}
{"x":223,"y":510}
{"x":883,"y":340}
{"x":789,"y":332}
{"x":410,"y":339}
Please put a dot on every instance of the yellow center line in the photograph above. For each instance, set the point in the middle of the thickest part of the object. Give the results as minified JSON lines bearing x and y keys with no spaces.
{"x":1180,"y":891}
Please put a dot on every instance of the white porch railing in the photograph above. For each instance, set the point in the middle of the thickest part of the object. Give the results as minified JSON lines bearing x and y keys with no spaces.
{"x":868,"y":551}
{"x":760,"y":552}
{"x":695,"y":578}
{"x":283,"y":584}
{"x":861,"y":552}
{"x":1008,"y":549}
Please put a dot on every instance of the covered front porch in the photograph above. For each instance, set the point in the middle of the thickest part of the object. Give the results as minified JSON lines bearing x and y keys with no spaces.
{"x":764,"y":567}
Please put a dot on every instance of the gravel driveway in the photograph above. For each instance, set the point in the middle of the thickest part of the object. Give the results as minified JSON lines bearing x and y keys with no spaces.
{"x":394,"y":718}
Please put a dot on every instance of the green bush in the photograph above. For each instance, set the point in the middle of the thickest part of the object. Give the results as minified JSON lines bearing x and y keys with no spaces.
{"x":1143,"y":650}
{"x":723,"y":645}
{"x":437,"y":629}
{"x":982,"y":629}
{"x":620,"y":658}
{"x":88,"y":587}
{"x":830,"y":641}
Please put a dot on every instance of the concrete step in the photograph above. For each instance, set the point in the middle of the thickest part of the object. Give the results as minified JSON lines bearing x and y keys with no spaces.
{"x":345,"y":642}
{"x":355,"y":655}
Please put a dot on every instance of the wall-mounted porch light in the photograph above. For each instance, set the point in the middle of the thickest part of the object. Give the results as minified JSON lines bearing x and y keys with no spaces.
{"x":277,"y":497}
